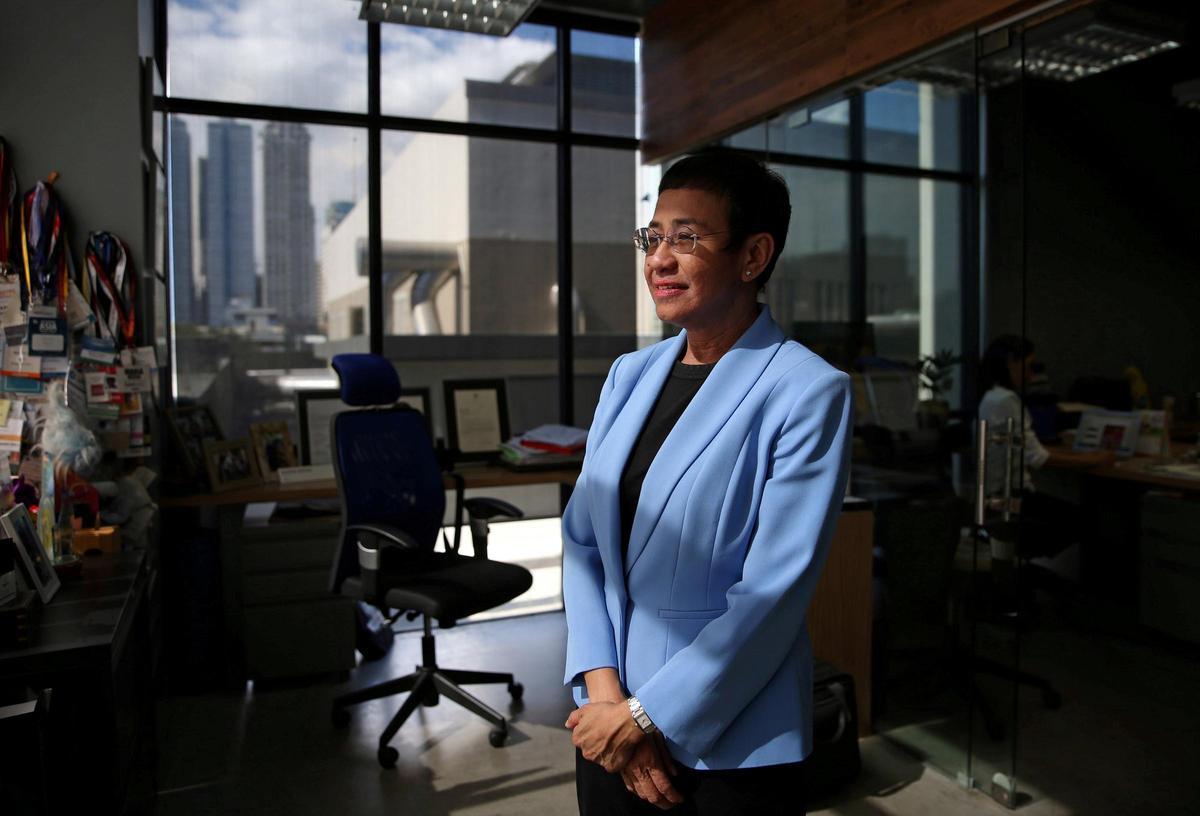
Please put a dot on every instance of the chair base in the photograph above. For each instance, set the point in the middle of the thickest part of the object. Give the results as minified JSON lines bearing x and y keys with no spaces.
{"x":425,"y":686}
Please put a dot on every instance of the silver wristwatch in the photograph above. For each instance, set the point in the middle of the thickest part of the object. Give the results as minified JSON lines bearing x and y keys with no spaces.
{"x":640,"y":716}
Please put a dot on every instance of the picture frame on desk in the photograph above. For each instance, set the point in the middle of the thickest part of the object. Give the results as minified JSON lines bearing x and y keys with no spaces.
{"x":190,"y":428}
{"x":272,"y":447}
{"x":476,"y":418}
{"x":231,"y":465}
{"x":315,"y":408}
{"x":17,"y":526}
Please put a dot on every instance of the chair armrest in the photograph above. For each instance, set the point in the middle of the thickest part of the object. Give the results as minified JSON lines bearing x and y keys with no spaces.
{"x":488,"y":508}
{"x":391,"y":536}
{"x":377,"y":536}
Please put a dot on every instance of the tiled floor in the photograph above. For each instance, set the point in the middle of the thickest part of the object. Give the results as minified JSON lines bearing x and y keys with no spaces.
{"x":272,"y":750}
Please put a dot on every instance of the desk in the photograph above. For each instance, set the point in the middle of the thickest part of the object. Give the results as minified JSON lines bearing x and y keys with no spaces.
{"x":1139,"y":469}
{"x":483,"y":476}
{"x":266,"y":602}
{"x":91,"y":645}
{"x":266,"y":588}
{"x":1110,"y":497}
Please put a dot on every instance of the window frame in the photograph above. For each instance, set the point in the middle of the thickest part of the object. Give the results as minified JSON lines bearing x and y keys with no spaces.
{"x":374,"y":122}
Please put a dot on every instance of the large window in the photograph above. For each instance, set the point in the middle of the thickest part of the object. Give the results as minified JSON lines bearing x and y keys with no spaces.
{"x":445,"y":199}
{"x":874,"y":265}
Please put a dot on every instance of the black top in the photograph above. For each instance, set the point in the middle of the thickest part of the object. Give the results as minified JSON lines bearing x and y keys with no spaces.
{"x":681,"y":386}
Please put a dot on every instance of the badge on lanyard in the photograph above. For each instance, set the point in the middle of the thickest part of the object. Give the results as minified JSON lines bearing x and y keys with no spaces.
{"x":47,"y":333}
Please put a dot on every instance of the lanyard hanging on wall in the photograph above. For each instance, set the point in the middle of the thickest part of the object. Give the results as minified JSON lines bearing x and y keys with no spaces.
{"x":8,"y":206}
{"x":113,"y":288}
{"x":42,"y":231}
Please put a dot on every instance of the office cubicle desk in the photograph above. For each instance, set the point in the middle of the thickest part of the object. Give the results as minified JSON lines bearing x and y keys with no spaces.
{"x":279,"y":618}
{"x":91,"y":645}
{"x":1111,"y":497}
{"x":275,"y":615}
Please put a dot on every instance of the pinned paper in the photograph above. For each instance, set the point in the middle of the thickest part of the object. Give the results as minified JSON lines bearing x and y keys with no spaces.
{"x":10,"y":303}
{"x":22,"y":385}
{"x":55,"y":366}
{"x":133,"y":379}
{"x":5,"y":409}
{"x":144,"y":356}
{"x":10,"y":435}
{"x":47,"y":336}
{"x":98,"y":350}
{"x":18,"y":362}
{"x":96,"y":383}
{"x":79,"y":314}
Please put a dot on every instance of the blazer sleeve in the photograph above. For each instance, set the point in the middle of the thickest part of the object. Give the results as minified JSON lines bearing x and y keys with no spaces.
{"x":704,"y":686}
{"x":590,"y":640}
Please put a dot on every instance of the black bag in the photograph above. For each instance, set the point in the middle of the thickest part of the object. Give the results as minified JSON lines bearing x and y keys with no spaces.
{"x":834,"y":760}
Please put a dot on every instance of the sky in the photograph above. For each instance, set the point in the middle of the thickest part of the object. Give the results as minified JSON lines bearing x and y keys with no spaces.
{"x":313,"y":55}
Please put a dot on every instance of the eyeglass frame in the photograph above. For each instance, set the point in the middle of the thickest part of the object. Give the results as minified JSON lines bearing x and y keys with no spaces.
{"x":641,"y":240}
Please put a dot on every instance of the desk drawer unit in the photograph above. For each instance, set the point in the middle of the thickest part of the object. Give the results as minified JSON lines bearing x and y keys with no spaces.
{"x":292,"y":624}
{"x":1170,"y":569}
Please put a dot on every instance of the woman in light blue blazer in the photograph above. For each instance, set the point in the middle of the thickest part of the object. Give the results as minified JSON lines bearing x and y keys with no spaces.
{"x":715,"y":469}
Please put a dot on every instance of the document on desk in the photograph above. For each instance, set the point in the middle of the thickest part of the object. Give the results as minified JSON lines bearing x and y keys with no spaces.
{"x":1180,"y":470}
{"x":258,"y":514}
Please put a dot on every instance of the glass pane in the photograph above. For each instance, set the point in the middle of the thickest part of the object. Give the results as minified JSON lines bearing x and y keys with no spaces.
{"x":916,"y":122}
{"x":810,"y":287}
{"x":914,"y":259}
{"x":805,"y":131}
{"x":462,"y":77}
{"x":812,"y":131}
{"x":255,"y":304}
{"x":604,"y":70}
{"x":607,"y":269}
{"x":268,"y":52}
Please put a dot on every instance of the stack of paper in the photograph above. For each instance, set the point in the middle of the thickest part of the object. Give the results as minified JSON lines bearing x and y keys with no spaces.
{"x":546,"y":445}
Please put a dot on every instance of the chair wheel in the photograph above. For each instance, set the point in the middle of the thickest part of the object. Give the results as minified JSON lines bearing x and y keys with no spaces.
{"x":516,"y":690}
{"x":497,"y":736}
{"x":340,"y":717}
{"x":1052,"y":700}
{"x":387,"y":756}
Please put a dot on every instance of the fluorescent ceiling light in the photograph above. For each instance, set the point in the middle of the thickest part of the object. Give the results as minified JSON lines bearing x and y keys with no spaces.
{"x":495,"y":17}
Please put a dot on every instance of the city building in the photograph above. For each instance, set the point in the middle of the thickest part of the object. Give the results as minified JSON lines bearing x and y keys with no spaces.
{"x":227,"y":220}
{"x":288,"y":230}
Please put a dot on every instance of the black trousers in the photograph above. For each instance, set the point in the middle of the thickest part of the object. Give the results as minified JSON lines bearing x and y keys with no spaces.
{"x":764,"y":791}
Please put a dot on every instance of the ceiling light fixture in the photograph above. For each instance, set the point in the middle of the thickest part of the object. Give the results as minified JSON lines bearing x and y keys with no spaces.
{"x":497,"y":18}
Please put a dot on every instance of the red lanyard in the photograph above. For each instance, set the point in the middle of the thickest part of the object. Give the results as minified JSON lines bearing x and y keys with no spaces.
{"x":114,"y":286}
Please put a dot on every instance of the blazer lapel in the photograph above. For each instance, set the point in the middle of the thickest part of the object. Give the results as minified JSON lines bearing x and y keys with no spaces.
{"x":612,"y":454}
{"x":731,"y":379}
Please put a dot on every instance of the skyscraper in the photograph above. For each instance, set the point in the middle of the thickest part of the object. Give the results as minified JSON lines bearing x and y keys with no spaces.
{"x":186,"y":308}
{"x":290,"y":253}
{"x":227,"y":219}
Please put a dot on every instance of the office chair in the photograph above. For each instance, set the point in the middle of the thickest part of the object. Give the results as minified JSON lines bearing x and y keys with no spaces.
{"x":393,"y":501}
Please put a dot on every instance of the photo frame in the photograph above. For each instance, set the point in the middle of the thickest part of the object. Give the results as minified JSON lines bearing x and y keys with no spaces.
{"x":36,"y":569}
{"x":231,"y":464}
{"x":476,"y":418}
{"x":190,"y":427}
{"x":315,"y":408}
{"x":272,"y":447}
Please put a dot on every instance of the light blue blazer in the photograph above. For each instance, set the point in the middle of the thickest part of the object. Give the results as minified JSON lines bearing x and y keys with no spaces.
{"x":705,"y":619}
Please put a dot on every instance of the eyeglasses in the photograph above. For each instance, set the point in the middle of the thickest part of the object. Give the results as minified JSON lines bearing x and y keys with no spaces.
{"x":681,"y":243}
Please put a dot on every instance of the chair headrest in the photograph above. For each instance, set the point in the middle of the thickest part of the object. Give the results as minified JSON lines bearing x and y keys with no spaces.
{"x":367,"y":379}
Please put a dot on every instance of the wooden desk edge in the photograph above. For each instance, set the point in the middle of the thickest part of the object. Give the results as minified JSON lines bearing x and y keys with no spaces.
{"x":481,"y":477}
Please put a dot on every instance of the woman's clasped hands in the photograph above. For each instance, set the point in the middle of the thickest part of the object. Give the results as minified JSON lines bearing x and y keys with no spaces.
{"x":605,"y":733}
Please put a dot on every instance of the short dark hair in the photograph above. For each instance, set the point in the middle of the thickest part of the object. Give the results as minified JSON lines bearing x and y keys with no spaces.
{"x":756,"y":198}
{"x":993,"y":366}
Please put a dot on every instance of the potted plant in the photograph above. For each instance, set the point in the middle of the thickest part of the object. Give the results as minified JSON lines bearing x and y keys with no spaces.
{"x":935,"y":374}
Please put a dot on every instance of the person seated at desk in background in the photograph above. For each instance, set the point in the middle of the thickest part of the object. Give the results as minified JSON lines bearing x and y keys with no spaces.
{"x":1005,"y":369}
{"x":1050,"y":524}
